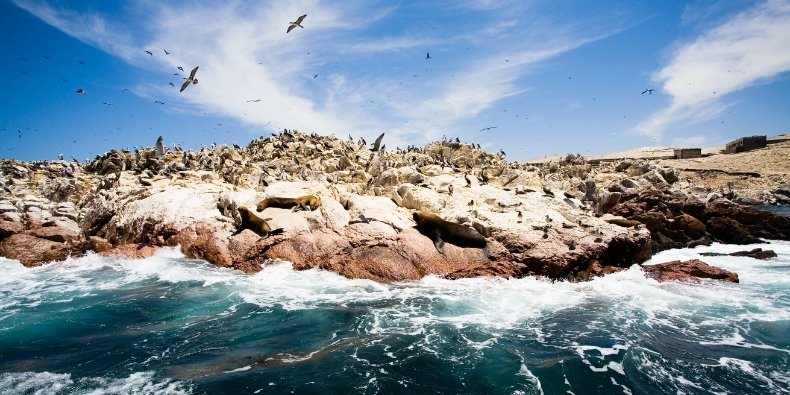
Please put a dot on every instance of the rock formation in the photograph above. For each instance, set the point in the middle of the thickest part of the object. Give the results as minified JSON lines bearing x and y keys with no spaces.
{"x":591,"y":219}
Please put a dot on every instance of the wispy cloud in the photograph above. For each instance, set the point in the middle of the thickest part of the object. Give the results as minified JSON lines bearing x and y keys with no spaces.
{"x":747,"y":49}
{"x":244,"y":53}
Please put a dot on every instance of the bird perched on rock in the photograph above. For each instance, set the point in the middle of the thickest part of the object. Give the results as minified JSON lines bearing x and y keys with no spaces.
{"x":297,"y":22}
{"x":548,"y":191}
{"x":377,"y":143}
{"x":191,"y":79}
{"x":160,"y":147}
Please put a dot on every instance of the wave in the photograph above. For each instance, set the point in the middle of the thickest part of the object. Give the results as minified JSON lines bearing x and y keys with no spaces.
{"x":53,"y":383}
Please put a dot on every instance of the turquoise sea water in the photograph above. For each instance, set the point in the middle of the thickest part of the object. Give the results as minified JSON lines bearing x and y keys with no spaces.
{"x":167,"y":324}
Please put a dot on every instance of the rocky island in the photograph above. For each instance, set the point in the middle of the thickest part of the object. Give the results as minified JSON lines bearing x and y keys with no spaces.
{"x":567,"y":217}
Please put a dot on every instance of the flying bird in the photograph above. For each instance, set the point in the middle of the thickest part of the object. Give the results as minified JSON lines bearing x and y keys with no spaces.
{"x":166,"y":53}
{"x":297,"y":22}
{"x":83,"y":63}
{"x":488,"y":128}
{"x":81,"y":91}
{"x":427,"y":55}
{"x":648,"y":91}
{"x":149,"y":52}
{"x":190,"y":80}
{"x":158,"y":102}
{"x":171,"y":84}
{"x":315,"y":76}
{"x":377,"y":143}
{"x":180,"y":68}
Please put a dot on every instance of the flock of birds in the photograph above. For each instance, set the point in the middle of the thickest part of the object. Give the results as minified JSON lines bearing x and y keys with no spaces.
{"x":192,"y":80}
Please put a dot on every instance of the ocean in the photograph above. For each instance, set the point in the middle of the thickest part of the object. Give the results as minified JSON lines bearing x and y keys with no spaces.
{"x":172,"y":325}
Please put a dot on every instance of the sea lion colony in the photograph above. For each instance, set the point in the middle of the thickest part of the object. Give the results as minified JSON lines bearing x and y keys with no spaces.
{"x":294,"y":156}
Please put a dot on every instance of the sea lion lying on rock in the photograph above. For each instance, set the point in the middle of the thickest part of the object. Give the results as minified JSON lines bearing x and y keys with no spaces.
{"x":255,"y":223}
{"x":308,"y":202}
{"x":440,"y":231}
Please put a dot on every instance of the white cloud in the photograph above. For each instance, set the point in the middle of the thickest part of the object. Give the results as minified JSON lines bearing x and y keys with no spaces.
{"x":244,"y":53}
{"x":748,"y":49}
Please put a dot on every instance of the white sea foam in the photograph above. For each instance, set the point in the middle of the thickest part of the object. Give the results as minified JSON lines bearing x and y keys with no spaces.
{"x":46,"y":383}
{"x":409,"y":307}
{"x":241,"y":369}
{"x":43,"y":383}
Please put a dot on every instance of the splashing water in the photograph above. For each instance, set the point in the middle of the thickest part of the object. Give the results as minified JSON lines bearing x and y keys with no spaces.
{"x":168,"y":324}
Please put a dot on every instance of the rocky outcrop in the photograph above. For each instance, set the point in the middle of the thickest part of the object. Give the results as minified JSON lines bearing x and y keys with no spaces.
{"x":677,"y":219}
{"x":691,"y":270}
{"x":756,"y":253}
{"x":128,"y":204}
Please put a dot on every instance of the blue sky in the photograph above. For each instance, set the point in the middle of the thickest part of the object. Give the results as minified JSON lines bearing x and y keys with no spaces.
{"x":551,"y":76}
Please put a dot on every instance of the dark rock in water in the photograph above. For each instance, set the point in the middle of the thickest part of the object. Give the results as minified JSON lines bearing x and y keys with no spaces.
{"x":758,"y":223}
{"x":691,"y":270}
{"x":730,"y":231}
{"x":677,"y":220}
{"x":756,"y":253}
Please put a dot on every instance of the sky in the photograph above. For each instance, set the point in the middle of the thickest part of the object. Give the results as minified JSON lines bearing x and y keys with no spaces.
{"x":529,"y":77}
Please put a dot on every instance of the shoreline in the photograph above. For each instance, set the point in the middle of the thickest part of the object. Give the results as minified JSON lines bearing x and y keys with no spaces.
{"x":572,"y":219}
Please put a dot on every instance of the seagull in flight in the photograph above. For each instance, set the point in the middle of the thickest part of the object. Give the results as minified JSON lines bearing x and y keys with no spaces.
{"x":81,"y":91}
{"x":297,"y":22}
{"x":166,"y":53}
{"x":648,"y":91}
{"x":427,"y":55}
{"x":149,"y":52}
{"x":190,"y":80}
{"x":488,"y":128}
{"x":180,"y":68}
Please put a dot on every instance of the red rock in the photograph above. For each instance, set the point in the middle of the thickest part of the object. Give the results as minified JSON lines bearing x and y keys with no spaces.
{"x":691,"y":270}
{"x":655,"y":222}
{"x":200,"y":242}
{"x":8,"y":228}
{"x":54,"y":233}
{"x":33,"y":251}
{"x":131,"y":251}
{"x":693,"y":227}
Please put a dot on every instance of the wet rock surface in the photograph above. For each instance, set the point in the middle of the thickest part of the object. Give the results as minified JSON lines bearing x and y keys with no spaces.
{"x":691,"y":271}
{"x":569,"y":219}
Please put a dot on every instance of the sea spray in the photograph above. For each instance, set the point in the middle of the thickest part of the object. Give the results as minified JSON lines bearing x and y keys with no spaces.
{"x":168,"y":323}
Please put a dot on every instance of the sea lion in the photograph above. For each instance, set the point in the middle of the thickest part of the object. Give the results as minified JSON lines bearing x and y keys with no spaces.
{"x":308,"y":202}
{"x":440,"y":231}
{"x":254,"y":223}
